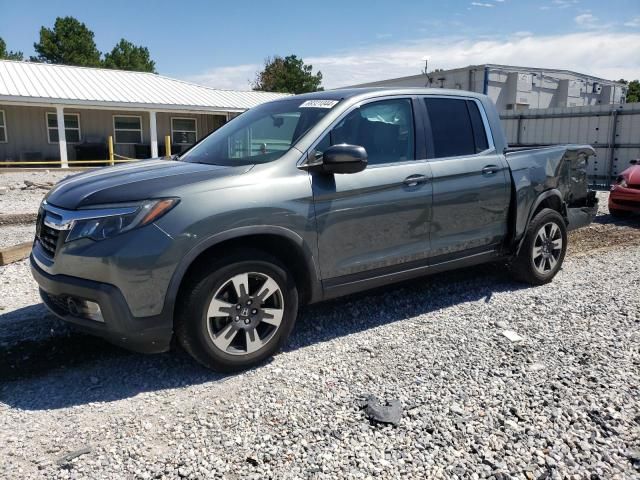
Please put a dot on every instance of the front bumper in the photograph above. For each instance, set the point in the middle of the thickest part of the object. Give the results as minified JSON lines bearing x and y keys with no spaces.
{"x":627,"y":199}
{"x":119,"y":326}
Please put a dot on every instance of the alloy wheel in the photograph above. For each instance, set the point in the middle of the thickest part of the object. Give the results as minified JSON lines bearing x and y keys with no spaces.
{"x":245,"y":313}
{"x":547,"y":248}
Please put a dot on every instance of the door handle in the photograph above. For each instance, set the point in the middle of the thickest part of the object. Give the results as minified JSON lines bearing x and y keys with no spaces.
{"x":490,"y":170}
{"x":413,"y":180}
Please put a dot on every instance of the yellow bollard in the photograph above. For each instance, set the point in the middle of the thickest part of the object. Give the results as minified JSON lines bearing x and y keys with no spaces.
{"x":111,"y":162}
{"x":167,"y":146}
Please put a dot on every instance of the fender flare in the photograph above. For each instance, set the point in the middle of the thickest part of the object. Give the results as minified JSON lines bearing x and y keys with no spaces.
{"x":553,"y":192}
{"x":186,"y":261}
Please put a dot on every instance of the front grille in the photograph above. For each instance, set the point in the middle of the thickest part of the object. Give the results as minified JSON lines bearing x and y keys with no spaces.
{"x":49,"y":238}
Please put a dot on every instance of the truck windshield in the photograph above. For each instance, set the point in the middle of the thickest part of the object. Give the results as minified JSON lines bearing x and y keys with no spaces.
{"x":260,"y":135}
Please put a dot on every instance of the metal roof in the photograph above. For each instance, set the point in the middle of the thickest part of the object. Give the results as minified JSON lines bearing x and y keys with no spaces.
{"x":62,"y":84}
{"x":493,"y":66}
{"x":370,"y":92}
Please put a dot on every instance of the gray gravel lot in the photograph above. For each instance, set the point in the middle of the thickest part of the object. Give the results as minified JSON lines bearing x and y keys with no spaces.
{"x":14,"y":234}
{"x":16,"y":199}
{"x":562,"y":403}
{"x":13,"y":199}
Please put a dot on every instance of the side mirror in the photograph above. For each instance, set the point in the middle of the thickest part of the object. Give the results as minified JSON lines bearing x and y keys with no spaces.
{"x":342,"y":158}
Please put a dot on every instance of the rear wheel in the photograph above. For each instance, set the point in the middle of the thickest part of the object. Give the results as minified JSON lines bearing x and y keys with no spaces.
{"x":543,"y":250}
{"x":237,"y":312}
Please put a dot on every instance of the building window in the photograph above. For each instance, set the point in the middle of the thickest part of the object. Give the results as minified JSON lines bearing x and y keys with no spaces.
{"x":71,"y":127}
{"x":3,"y":127}
{"x":127,"y":129}
{"x":183,"y":131}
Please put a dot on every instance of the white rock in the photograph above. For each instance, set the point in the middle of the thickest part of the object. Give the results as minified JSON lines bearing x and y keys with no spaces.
{"x":512,"y":336}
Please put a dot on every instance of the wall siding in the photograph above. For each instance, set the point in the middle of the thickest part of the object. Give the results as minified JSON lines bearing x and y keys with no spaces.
{"x":98,"y":124}
{"x":27,"y":132}
{"x":592,"y":125}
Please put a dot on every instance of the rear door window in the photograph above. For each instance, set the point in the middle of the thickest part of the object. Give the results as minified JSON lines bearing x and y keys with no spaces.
{"x":457,"y":128}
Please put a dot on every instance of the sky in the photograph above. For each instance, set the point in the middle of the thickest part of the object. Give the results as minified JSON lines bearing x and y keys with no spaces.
{"x":224,"y":43}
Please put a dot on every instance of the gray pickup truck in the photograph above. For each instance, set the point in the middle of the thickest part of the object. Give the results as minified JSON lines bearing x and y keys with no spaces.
{"x":297,"y":201}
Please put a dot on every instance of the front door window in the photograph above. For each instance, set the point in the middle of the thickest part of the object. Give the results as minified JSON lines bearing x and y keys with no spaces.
{"x":385,"y":129}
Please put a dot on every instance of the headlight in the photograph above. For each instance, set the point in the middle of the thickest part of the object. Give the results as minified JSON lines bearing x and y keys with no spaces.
{"x":109,"y":222}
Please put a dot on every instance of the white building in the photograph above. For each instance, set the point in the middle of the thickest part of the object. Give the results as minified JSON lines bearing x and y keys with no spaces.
{"x":137,"y":110}
{"x":519,"y":88}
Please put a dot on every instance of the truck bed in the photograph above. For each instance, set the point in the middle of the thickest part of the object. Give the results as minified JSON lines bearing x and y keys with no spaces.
{"x":561,"y":168}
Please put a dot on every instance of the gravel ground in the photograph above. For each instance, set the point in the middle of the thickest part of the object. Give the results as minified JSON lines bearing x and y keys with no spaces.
{"x":561,"y":403}
{"x":15,"y":200}
{"x":14,"y":234}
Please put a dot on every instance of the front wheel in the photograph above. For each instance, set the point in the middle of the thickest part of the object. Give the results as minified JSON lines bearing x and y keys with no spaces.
{"x":237,"y":312}
{"x":543,"y":250}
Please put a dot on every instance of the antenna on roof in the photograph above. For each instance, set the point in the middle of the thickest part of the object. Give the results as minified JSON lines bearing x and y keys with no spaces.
{"x":425,"y":71}
{"x":426,"y":66}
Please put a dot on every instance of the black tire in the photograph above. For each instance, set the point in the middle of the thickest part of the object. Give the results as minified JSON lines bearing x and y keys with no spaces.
{"x":523,"y":267}
{"x":193,"y":326}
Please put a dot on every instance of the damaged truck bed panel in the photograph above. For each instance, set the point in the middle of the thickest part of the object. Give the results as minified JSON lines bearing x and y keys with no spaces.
{"x":553,"y":175}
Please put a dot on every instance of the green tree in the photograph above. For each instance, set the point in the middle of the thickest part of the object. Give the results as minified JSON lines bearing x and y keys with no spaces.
{"x":8,"y":55}
{"x":70,"y":42}
{"x":633,"y":90}
{"x":287,"y":75}
{"x":127,"y":56}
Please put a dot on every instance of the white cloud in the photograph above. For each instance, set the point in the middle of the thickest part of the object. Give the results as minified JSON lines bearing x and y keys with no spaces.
{"x":608,"y":55}
{"x":480,"y":4}
{"x":587,"y":20}
{"x":565,"y":3}
{"x":237,"y":77}
{"x":560,"y":4}
{"x":634,"y":22}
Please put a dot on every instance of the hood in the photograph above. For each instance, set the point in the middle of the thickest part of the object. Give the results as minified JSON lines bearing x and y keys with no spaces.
{"x":632,"y":174}
{"x":133,"y":182}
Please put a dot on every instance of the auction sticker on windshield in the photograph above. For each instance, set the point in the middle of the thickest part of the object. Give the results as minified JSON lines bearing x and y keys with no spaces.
{"x":318,"y":104}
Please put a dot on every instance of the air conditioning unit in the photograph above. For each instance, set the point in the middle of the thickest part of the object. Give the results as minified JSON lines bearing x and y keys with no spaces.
{"x":537,"y":80}
{"x":597,"y":88}
{"x":524,"y":82}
